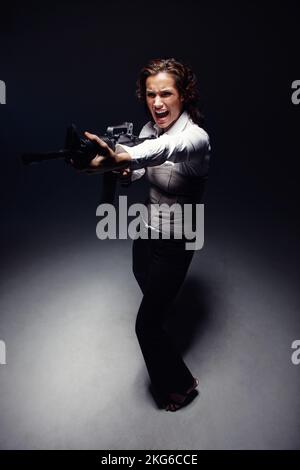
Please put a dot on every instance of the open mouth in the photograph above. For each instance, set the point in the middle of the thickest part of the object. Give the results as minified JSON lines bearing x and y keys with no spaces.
{"x":161,"y":114}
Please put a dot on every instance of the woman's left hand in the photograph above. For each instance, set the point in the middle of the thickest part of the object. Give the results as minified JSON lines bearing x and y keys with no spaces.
{"x":102,"y":162}
{"x":107,"y":160}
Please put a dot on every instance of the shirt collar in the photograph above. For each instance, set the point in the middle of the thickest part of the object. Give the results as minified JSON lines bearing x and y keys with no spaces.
{"x":178,"y":126}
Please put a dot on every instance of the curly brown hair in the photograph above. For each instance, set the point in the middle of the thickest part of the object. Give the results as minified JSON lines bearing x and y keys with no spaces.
{"x":185,"y":81}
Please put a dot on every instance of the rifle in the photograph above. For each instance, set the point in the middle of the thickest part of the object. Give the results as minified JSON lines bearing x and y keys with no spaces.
{"x":81,"y":151}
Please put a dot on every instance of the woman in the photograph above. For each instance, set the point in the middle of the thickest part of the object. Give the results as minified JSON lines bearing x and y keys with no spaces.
{"x":176,"y":164}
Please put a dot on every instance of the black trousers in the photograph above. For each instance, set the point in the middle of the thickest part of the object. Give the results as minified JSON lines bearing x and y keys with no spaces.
{"x":160,"y":267}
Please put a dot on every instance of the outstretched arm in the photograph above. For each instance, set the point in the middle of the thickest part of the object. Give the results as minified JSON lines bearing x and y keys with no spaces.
{"x":107,"y":160}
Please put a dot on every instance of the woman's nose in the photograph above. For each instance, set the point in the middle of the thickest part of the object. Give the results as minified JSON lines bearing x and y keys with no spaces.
{"x":158,"y":102}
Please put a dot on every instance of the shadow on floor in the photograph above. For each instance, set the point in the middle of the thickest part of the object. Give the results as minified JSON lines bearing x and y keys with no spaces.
{"x":190,"y":317}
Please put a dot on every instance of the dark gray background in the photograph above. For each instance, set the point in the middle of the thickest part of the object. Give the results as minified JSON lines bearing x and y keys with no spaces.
{"x":75,"y":377}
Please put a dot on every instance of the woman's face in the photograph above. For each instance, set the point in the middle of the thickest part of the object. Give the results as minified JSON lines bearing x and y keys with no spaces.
{"x":163,"y":99}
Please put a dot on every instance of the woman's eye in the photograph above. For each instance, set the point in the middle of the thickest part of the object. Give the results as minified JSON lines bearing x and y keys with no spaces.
{"x":167,"y":93}
{"x":150,"y":95}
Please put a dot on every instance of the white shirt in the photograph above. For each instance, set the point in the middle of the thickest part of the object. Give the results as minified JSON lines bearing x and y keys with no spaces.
{"x":184,"y":143}
{"x":178,"y":159}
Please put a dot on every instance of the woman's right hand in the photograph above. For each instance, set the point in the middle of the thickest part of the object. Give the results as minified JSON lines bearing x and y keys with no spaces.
{"x":124,"y":176}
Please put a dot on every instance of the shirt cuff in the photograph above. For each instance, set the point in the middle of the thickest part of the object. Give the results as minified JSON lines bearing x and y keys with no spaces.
{"x":137,"y":174}
{"x":135,"y":163}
